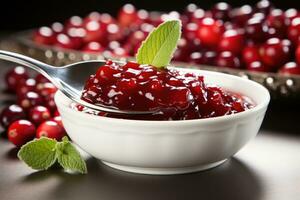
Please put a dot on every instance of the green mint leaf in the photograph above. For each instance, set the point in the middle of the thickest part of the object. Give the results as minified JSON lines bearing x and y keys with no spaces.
{"x":159,"y":46}
{"x":39,"y":154}
{"x":69,"y":158}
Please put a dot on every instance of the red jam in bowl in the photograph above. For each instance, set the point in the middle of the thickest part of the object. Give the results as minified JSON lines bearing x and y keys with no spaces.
{"x":175,"y":94}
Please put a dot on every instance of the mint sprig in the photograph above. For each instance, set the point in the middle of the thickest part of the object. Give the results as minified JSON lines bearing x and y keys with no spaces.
{"x":160,"y":45}
{"x":41,"y":154}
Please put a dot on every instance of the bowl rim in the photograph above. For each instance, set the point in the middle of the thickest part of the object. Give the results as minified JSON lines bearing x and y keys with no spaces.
{"x":258,"y":107}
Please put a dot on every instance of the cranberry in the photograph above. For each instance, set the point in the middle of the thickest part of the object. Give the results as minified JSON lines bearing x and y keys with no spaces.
{"x":127,"y":15}
{"x":293,"y":32}
{"x":227,"y":59}
{"x":197,"y":16}
{"x":46,"y":89}
{"x":14,"y":77}
{"x":20,"y":132}
{"x":39,"y":114}
{"x":190,"y":30}
{"x":39,"y":78}
{"x":256,"y":30}
{"x":241,"y":15}
{"x":57,"y":27}
{"x":30,"y":100}
{"x":290,"y":68}
{"x":74,"y":22}
{"x":50,"y":129}
{"x":276,"y":19}
{"x":221,"y":11}
{"x":58,"y":120}
{"x":297,"y":54}
{"x":210,"y":32}
{"x":274,"y":53}
{"x":95,"y":31}
{"x":257,"y":66}
{"x":93,"y":16}
{"x":93,"y":47}
{"x":190,"y":10}
{"x":27,"y":86}
{"x":68,"y":42}
{"x":56,"y":113}
{"x":264,"y":6}
{"x":232,"y":40}
{"x":10,"y":114}
{"x":50,"y":103}
{"x":196,"y":58}
{"x":250,"y":54}
{"x":44,"y":35}
{"x":209,"y":57}
{"x":292,"y":13}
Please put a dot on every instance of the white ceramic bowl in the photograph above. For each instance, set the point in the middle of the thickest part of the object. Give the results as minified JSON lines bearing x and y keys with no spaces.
{"x":168,"y":147}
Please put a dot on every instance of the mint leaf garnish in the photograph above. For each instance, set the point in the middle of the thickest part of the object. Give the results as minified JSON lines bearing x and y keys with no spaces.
{"x":39,"y":154}
{"x":69,"y":158}
{"x":159,"y":46}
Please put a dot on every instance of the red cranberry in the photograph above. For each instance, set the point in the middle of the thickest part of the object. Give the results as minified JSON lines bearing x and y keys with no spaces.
{"x":14,"y":77}
{"x":256,"y":30}
{"x":232,"y":40}
{"x":210,"y":32}
{"x":293,"y":32}
{"x":46,"y":89}
{"x":68,"y":42}
{"x":264,"y":6}
{"x":20,"y":132}
{"x":39,"y":114}
{"x":44,"y":35}
{"x":274,"y":53}
{"x":41,"y":79}
{"x":127,"y":15}
{"x":50,"y":103}
{"x":277,"y":20}
{"x":95,"y":31}
{"x":250,"y":54}
{"x":50,"y":129}
{"x":57,"y":27}
{"x":190,"y":31}
{"x":241,"y":15}
{"x":30,"y":100}
{"x":221,"y":11}
{"x":114,"y":32}
{"x":196,"y":58}
{"x":297,"y":54}
{"x":74,"y":22}
{"x":209,"y":57}
{"x":190,"y":9}
{"x":292,"y":13}
{"x":27,"y":86}
{"x":227,"y":59}
{"x":93,"y":47}
{"x":58,"y":120}
{"x":257,"y":66}
{"x":56,"y":113}
{"x":10,"y":114}
{"x":93,"y":16}
{"x":197,"y":16}
{"x":290,"y":68}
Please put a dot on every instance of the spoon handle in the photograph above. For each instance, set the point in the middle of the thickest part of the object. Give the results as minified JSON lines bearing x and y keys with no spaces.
{"x":36,"y":65}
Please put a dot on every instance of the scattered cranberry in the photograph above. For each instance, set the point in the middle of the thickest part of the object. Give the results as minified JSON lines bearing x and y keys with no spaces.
{"x":127,"y":15}
{"x":93,"y":47}
{"x":20,"y":132}
{"x":274,"y":53}
{"x":256,"y":30}
{"x":39,"y":114}
{"x":264,"y":6}
{"x":67,"y":42}
{"x":278,"y":21}
{"x":227,"y":59}
{"x":74,"y":22}
{"x":241,"y":15}
{"x":10,"y":114}
{"x":95,"y":32}
{"x":39,"y":78}
{"x":50,"y":129}
{"x":232,"y":40}
{"x":290,"y":68}
{"x":210,"y":32}
{"x":250,"y":54}
{"x":293,"y":32}
{"x":44,"y":35}
{"x":27,"y":86}
{"x":14,"y":77}
{"x":29,"y":100}
{"x":221,"y":11}
{"x":46,"y":89}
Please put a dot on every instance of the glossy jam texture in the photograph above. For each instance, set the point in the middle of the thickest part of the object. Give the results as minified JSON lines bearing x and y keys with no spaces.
{"x":176,"y":95}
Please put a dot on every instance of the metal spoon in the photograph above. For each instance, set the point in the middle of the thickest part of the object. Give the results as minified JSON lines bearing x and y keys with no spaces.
{"x":68,"y":79}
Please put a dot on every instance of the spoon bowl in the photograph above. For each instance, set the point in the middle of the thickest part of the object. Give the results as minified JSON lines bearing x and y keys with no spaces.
{"x":69,"y":79}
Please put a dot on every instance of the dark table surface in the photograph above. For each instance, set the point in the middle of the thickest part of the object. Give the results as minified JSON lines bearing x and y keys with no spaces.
{"x":268,"y":168}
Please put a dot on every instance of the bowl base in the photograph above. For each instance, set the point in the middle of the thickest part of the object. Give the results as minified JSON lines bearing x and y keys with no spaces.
{"x":163,"y":171}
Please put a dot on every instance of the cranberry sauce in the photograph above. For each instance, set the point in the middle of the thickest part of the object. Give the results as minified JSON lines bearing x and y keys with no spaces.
{"x":177,"y":95}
